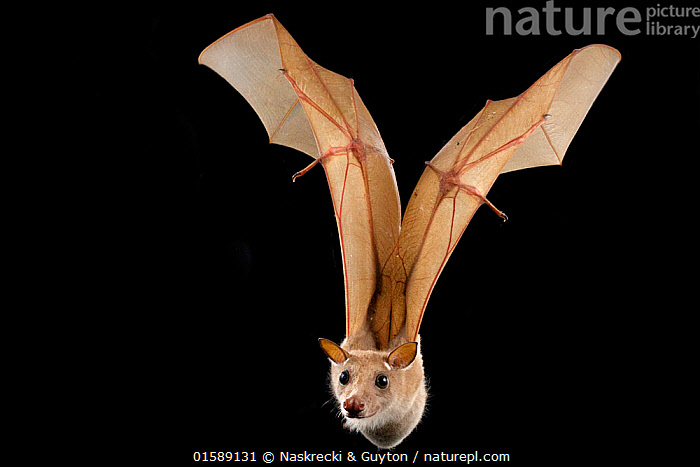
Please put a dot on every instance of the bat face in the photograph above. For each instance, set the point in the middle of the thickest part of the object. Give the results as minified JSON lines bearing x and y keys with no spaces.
{"x":379,"y":393}
{"x":364,"y":385}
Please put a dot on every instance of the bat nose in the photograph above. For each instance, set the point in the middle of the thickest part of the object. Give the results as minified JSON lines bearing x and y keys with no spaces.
{"x":353,"y":406}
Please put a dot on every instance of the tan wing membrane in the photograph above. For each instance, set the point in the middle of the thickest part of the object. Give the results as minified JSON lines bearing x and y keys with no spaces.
{"x":309,"y":108}
{"x":530,"y":130}
{"x":389,"y":277}
{"x":587,"y":71}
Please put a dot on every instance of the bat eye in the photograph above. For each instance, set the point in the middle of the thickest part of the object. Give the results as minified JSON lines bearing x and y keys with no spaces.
{"x":344,"y":377}
{"x":381,"y":381}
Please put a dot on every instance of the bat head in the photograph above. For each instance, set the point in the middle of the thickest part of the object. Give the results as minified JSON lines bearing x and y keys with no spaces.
{"x":379,"y":393}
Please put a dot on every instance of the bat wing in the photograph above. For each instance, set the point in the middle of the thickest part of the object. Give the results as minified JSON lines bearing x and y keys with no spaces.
{"x":530,"y":130}
{"x":318,"y":112}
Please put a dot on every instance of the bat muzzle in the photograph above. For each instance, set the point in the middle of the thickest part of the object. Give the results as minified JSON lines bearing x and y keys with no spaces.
{"x":355,"y":408}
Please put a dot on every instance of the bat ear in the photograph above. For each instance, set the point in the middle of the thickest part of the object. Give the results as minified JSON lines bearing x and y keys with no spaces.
{"x":333,"y":351}
{"x":403,"y":356}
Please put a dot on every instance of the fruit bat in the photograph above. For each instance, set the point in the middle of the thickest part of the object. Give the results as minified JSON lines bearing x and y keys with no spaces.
{"x":391,"y":265}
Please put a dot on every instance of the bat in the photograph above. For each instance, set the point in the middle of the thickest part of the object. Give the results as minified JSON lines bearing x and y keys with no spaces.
{"x":390,"y":263}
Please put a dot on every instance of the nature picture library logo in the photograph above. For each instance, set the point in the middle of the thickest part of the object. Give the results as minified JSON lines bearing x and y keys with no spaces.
{"x":656,"y":20}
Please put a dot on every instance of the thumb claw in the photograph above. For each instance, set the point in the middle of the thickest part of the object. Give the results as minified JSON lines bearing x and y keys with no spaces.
{"x":304,"y":170}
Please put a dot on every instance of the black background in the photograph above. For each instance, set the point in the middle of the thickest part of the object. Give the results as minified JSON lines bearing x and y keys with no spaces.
{"x":542,"y":335}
